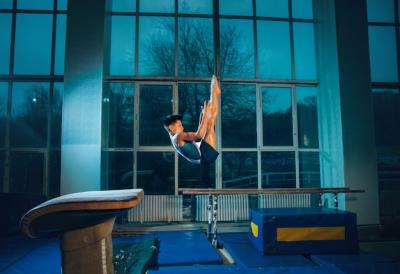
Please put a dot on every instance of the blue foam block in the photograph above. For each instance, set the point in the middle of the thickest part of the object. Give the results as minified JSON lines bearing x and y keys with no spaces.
{"x":269,"y":221}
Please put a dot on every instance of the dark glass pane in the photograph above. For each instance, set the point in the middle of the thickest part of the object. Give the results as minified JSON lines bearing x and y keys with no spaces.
{"x":239,"y":170}
{"x":155,"y":104}
{"x":307,"y":117}
{"x":62,"y":4}
{"x":238,"y":113}
{"x":2,"y":166}
{"x":309,"y":169}
{"x":196,"y":176}
{"x":123,"y":5}
{"x":191,"y":98}
{"x":389,"y":185}
{"x":278,"y":169}
{"x":26,"y":172}
{"x":3,"y":111}
{"x":60,"y":44}
{"x":304,"y":51}
{"x":387,"y":117}
{"x":54,"y":173}
{"x":122,"y":45}
{"x":236,"y":7}
{"x":29,"y":114}
{"x":120,"y":115}
{"x":35,"y":5}
{"x":195,"y":6}
{"x":302,"y":9}
{"x":237,"y":48}
{"x":272,"y":8}
{"x":167,"y":6}
{"x":383,"y":53}
{"x":274,"y":55}
{"x":156,"y":46}
{"x":5,"y":42}
{"x":196,"y":47}
{"x":34,"y":30}
{"x":155,"y":172}
{"x":120,"y":170}
{"x":56,"y":114}
{"x":380,"y":11}
{"x":6,"y":4}
{"x":277,"y":117}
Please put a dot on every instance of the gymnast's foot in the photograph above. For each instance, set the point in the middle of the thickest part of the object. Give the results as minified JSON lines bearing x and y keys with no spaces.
{"x":215,"y":86}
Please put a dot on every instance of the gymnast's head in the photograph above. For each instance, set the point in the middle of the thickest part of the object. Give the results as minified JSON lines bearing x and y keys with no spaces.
{"x":173,"y":124}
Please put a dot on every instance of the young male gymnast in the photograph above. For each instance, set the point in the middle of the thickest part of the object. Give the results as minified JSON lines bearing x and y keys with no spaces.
{"x":197,"y":147}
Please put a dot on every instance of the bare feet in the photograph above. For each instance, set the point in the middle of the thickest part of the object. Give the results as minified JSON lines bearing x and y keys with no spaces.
{"x":215,"y":86}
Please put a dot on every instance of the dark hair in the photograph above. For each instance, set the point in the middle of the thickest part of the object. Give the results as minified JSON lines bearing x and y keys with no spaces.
{"x":170,"y":119}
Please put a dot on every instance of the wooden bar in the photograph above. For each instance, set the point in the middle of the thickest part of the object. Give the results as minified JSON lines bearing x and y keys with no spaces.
{"x":233,"y":191}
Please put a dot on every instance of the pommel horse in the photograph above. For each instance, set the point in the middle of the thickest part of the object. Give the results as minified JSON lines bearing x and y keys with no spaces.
{"x":84,"y":222}
{"x":213,"y":194}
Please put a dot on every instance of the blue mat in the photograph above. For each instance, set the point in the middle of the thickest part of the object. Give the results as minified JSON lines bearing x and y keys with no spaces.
{"x":180,"y":248}
{"x":245,"y":254}
{"x":361,"y":263}
{"x":226,"y":269}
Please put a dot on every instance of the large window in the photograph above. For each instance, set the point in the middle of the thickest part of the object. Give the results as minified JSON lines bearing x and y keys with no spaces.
{"x":161,"y":58}
{"x":32,"y":49}
{"x":383,"y":31}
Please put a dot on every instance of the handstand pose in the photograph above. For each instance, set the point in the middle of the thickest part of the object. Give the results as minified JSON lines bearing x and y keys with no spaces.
{"x":197,"y":147}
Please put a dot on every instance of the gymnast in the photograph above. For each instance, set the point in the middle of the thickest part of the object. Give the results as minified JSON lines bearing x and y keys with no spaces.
{"x":197,"y":147}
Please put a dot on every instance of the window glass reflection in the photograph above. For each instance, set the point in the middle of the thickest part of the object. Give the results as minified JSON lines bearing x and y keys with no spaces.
{"x":155,"y":172}
{"x":302,"y":9}
{"x":120,"y":114}
{"x":122,"y":45}
{"x":239,"y":170}
{"x":309,"y":169}
{"x":195,"y":6}
{"x":154,"y":105}
{"x":26,"y":172}
{"x":120,"y":170}
{"x":272,"y":8}
{"x":387,"y":116}
{"x":191,"y":98}
{"x":307,"y":116}
{"x":60,"y":44}
{"x":2,"y":166}
{"x":29,"y":114}
{"x":196,"y":47}
{"x":167,"y":6}
{"x":6,"y":4}
{"x":274,"y":55}
{"x":380,"y":11}
{"x":156,"y":46}
{"x":277,"y":116}
{"x":3,"y":112}
{"x":236,"y":7}
{"x":54,"y":173}
{"x":5,"y":42}
{"x":123,"y":5}
{"x":383,"y":53}
{"x":304,"y":51}
{"x":56,"y":114}
{"x":278,"y":170}
{"x":237,"y":48}
{"x":35,"y":5}
{"x":34,"y":30}
{"x":62,"y":4}
{"x":238,"y":114}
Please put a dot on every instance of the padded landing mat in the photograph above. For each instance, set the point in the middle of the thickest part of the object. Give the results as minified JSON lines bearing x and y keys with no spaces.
{"x":361,"y":263}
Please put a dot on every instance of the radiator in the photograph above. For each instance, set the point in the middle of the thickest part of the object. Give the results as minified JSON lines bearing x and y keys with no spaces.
{"x":230,"y":208}
{"x":284,"y":200}
{"x":157,"y":208}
